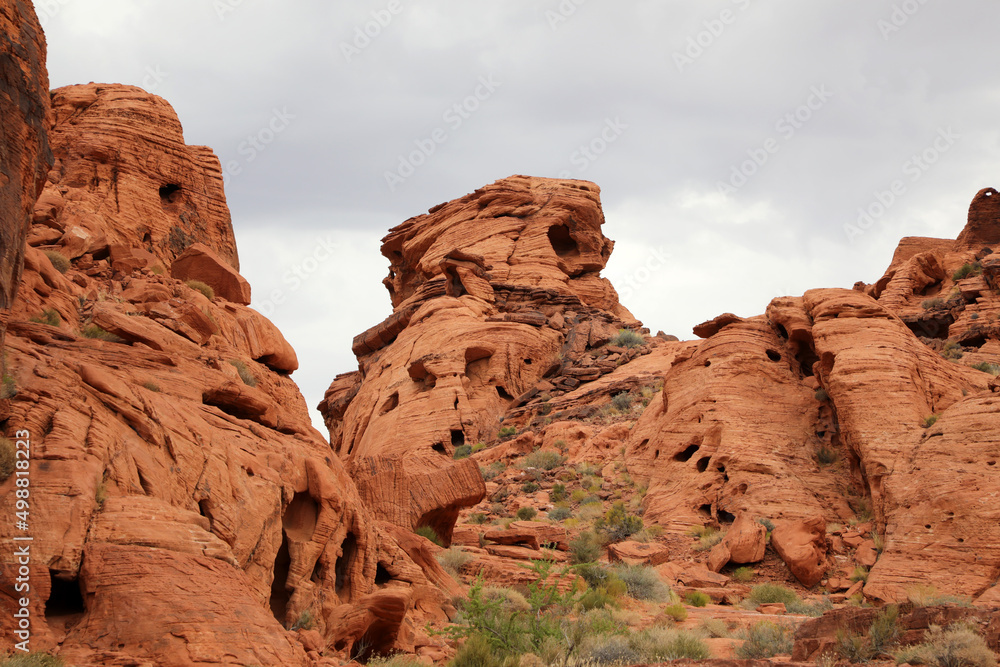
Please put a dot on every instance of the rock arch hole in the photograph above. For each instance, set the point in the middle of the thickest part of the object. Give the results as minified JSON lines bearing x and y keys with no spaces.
{"x":702,"y":464}
{"x":562,"y":241}
{"x":168,"y":193}
{"x":688,"y":452}
{"x":65,"y":597}
{"x":773,"y":355}
{"x":348,"y":553}
{"x":279,"y":594}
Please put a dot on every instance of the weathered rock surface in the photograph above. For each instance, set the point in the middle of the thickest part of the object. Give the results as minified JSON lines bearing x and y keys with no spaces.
{"x":802,"y":545}
{"x":25,"y":157}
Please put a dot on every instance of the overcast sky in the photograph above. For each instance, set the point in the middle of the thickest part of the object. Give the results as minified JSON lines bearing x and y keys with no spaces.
{"x":735,"y":141}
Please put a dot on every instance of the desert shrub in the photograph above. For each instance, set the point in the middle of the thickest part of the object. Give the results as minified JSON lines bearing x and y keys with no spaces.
{"x":714,"y":627}
{"x":507,"y":431}
{"x":821,"y":395}
{"x":597,"y":598}
{"x":622,"y":402}
{"x":560,"y":513}
{"x":628,"y":338}
{"x":59,"y":261}
{"x":527,"y":513}
{"x":810,"y":608}
{"x":826,"y":455}
{"x":557,"y":493}
{"x":8,"y":387}
{"x":930,"y":421}
{"x":595,"y":574}
{"x":987,"y":367}
{"x":8,"y":458}
{"x":771,"y":593}
{"x":953,"y":350}
{"x":928,"y":596}
{"x":476,"y":651}
{"x":957,"y":646}
{"x":642,"y":582}
{"x":767,"y":523}
{"x":676,"y":611}
{"x":477,"y":518}
{"x":462,"y":452}
{"x":860,"y":573}
{"x":397,"y":660}
{"x":305,"y":621}
{"x":544,"y":459}
{"x":578,"y":496}
{"x":882,"y":635}
{"x":199,"y":286}
{"x":492,"y":470}
{"x":49,"y":316}
{"x":765,"y":639}
{"x":743,"y":574}
{"x":97,"y":333}
{"x":708,"y":539}
{"x":150,"y":385}
{"x":661,"y":644}
{"x":430,"y":534}
{"x":101,"y":493}
{"x":617,"y":524}
{"x":530,"y":487}
{"x":967,"y":270}
{"x":452,"y":559}
{"x":931,"y":304}
{"x":244,"y":372}
{"x":610,"y":650}
{"x":697,"y":599}
{"x":33,"y":659}
{"x":587,"y":547}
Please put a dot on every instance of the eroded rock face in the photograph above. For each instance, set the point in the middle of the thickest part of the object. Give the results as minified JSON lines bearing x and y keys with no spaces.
{"x":491,"y":293}
{"x":25,"y":157}
{"x":183,"y":509}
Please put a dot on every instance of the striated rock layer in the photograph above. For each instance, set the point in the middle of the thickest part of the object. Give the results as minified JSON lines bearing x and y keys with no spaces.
{"x":182,"y":508}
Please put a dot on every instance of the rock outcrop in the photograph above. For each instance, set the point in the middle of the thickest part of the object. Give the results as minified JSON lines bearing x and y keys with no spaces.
{"x":25,"y":157}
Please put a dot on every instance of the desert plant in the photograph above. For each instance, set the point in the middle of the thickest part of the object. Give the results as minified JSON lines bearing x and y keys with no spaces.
{"x":826,"y":455}
{"x":477,"y":518}
{"x":305,"y":621}
{"x":642,"y":582}
{"x":967,"y":270}
{"x":767,"y":523}
{"x":597,"y":598}
{"x":544,"y":459}
{"x":708,"y":539}
{"x":860,"y":573}
{"x":558,"y":492}
{"x":743,"y":574}
{"x":617,"y":524}
{"x":506,"y":431}
{"x":810,"y":608}
{"x":150,"y":385}
{"x":931,"y":304}
{"x":244,"y":372}
{"x":462,"y":452}
{"x":628,"y":338}
{"x":476,"y":651}
{"x":697,"y":599}
{"x":930,"y":421}
{"x":8,"y":458}
{"x":530,"y":487}
{"x":33,"y":659}
{"x":957,"y":646}
{"x":49,"y":316}
{"x":199,"y":286}
{"x":714,"y":627}
{"x":8,"y":387}
{"x":429,"y":533}
{"x":97,"y":333}
{"x":59,"y":261}
{"x":928,"y":596}
{"x":771,"y":593}
{"x":953,"y":350}
{"x":587,"y":547}
{"x":101,"y":493}
{"x":676,"y":611}
{"x":560,"y":513}
{"x":622,"y":402}
{"x":610,"y":650}
{"x":661,"y":644}
{"x":397,"y":660}
{"x":765,"y":639}
{"x":492,"y":470}
{"x":987,"y":367}
{"x":452,"y":559}
{"x":883,"y":634}
{"x":527,"y":513}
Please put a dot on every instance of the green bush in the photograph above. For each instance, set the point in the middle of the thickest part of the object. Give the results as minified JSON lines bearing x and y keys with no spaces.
{"x":453,"y":559}
{"x":810,"y":608}
{"x":557,"y":493}
{"x":772,"y":593}
{"x":33,"y":659}
{"x":697,"y":599}
{"x":152,"y":386}
{"x":8,"y":458}
{"x":860,"y":573}
{"x":707,"y":538}
{"x":199,"y":286}
{"x":97,"y":333}
{"x":462,"y":452}
{"x":560,"y":513}
{"x":967,"y":271}
{"x":714,"y":627}
{"x":953,"y":350}
{"x":743,"y":574}
{"x":930,"y":421}
{"x":244,"y":372}
{"x":628,"y":338}
{"x":49,"y":316}
{"x":882,"y":635}
{"x":662,"y":644}
{"x":8,"y":387}
{"x":931,"y":304}
{"x":622,"y":402}
{"x":987,"y":367}
{"x":765,"y":639}
{"x":477,"y":518}
{"x":430,"y":534}
{"x":59,"y":261}
{"x":476,"y":651}
{"x":597,"y":598}
{"x":610,"y":650}
{"x":530,"y":487}
{"x":492,"y":470}
{"x":821,"y":395}
{"x":617,"y":524}
{"x":928,"y":596}
{"x":544,"y":459}
{"x":506,"y":432}
{"x":958,"y":646}
{"x":642,"y":582}
{"x":527,"y":513}
{"x":676,"y":611}
{"x":587,"y":547}
{"x":305,"y":621}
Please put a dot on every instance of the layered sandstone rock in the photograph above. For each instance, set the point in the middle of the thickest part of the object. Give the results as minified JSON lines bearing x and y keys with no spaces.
{"x":25,"y":157}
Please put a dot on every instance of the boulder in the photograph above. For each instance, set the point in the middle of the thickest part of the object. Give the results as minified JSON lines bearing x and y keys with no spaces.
{"x":802,"y":545}
{"x":201,"y":263}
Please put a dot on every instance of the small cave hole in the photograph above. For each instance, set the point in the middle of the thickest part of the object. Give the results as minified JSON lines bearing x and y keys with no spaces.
{"x":457,"y":438}
{"x":991,"y":463}
{"x":686,"y":455}
{"x":382,"y":576}
{"x":317,"y":573}
{"x":708,"y":362}
{"x":528,"y":362}
{"x":726,"y":517}
{"x":562,"y":242}
{"x":927,"y":526}
{"x":342,"y":570}
{"x":702,"y":464}
{"x":705,"y":510}
{"x":65,"y":598}
{"x":147,"y":488}
{"x":502,"y":393}
{"x":782,"y":331}
{"x":439,"y":448}
{"x":279,"y":595}
{"x":168,"y":193}
{"x":806,"y":358}
{"x":961,"y":540}
{"x":773,"y":355}
{"x":390,"y":404}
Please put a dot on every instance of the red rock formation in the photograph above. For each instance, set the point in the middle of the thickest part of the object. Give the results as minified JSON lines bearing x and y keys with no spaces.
{"x":25,"y":157}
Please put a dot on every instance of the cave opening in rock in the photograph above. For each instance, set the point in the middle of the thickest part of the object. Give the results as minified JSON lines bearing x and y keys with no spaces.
{"x":773,"y":355}
{"x":348,"y":552}
{"x":390,"y":404}
{"x":168,"y":193}
{"x":502,"y":393}
{"x":382,"y":576}
{"x":562,"y":242}
{"x":457,"y":437}
{"x":702,"y":464}
{"x":65,"y":597}
{"x":726,"y":517}
{"x":806,"y":358}
{"x":688,"y":452}
{"x":279,"y":594}
{"x":439,"y":448}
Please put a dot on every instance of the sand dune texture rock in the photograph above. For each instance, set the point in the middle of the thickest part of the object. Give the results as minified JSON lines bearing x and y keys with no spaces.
{"x":183,"y":509}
